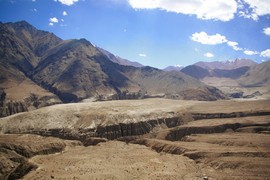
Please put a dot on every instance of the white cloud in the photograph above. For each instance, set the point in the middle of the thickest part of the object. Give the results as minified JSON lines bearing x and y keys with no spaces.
{"x":33,"y":0}
{"x":250,"y":53}
{"x":248,"y":15}
{"x":204,"y":38}
{"x":50,"y":24}
{"x":64,"y":13}
{"x":266,"y":31}
{"x":256,"y":8}
{"x":54,"y":20}
{"x":209,"y":55}
{"x":203,"y":9}
{"x":234,"y":45}
{"x":67,"y":2}
{"x":142,"y":55}
{"x":265,"y":53}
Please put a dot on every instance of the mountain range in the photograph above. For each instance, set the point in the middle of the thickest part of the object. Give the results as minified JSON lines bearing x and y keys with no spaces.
{"x":226,"y":65}
{"x":238,"y":78}
{"x":38,"y":62}
{"x":245,"y":71}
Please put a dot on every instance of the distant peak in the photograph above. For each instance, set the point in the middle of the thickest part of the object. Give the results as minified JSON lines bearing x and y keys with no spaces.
{"x":85,"y":41}
{"x":23,"y":23}
{"x":178,"y":65}
{"x":230,"y":61}
{"x":237,"y":60}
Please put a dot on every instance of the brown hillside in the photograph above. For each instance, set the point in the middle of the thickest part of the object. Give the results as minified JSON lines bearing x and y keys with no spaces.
{"x":258,"y":75}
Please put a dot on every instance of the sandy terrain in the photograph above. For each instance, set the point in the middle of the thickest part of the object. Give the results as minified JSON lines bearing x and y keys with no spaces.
{"x":113,"y":160}
{"x":216,"y":156}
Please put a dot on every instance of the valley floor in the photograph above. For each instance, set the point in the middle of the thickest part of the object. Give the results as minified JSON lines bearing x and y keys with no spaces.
{"x":217,"y":140}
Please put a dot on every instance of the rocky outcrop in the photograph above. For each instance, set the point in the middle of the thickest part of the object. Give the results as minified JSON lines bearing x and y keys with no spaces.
{"x":198,"y":116}
{"x":151,"y":126}
{"x":13,"y":165}
{"x":12,"y":107}
{"x":178,"y":133}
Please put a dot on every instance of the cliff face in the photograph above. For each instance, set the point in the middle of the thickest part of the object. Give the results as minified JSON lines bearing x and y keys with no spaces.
{"x":114,"y":119}
{"x":12,"y":107}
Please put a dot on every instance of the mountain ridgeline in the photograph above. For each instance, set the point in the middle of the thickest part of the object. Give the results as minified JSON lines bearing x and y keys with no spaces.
{"x":233,"y":69}
{"x":72,"y":70}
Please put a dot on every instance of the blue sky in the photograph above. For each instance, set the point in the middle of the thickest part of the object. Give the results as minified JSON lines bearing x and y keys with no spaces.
{"x":158,"y":33}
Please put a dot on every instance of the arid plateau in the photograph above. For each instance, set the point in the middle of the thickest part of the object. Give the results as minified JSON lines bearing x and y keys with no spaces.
{"x":139,"y":139}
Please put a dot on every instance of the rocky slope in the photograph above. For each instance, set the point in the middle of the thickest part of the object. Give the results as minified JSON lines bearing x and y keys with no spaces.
{"x":257,"y":75}
{"x":16,"y":149}
{"x":21,"y":47}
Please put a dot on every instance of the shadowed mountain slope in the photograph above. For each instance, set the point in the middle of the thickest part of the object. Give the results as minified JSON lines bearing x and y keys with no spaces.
{"x":258,"y":75}
{"x":20,"y":47}
{"x":200,"y":73}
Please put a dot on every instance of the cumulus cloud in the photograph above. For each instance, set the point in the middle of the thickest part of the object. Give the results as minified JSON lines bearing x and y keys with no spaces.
{"x":53,"y":20}
{"x":266,"y":31}
{"x":204,"y":38}
{"x":67,"y":2}
{"x":265,"y":53}
{"x":209,"y":55}
{"x":142,"y":55}
{"x":64,"y":13}
{"x":255,"y":8}
{"x":203,"y":9}
{"x":250,"y":53}
{"x":234,"y":45}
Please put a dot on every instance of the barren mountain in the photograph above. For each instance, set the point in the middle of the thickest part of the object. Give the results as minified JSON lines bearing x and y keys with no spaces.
{"x":196,"y":71}
{"x":200,"y":73}
{"x":20,"y":47}
{"x":228,"y":65}
{"x":75,"y":69}
{"x":258,"y":75}
{"x":249,"y":81}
